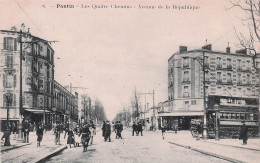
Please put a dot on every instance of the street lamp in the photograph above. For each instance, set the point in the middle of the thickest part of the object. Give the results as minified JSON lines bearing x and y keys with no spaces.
{"x":216,"y":108}
{"x":8,"y":97}
{"x":7,"y":130}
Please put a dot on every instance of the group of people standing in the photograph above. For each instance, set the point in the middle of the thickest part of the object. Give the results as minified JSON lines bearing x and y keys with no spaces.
{"x":83,"y":133}
{"x":118,"y":128}
{"x":106,"y":131}
{"x":137,"y":128}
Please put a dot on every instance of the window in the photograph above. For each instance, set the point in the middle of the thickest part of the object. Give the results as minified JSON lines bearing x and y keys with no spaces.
{"x":186,"y":76}
{"x":239,"y":66}
{"x":186,"y":102}
{"x":9,"y":61}
{"x":206,"y":76}
{"x":185,"y":62}
{"x":206,"y":90}
{"x":29,"y":81}
{"x":248,"y":65}
{"x":40,"y":84}
{"x":12,"y":99}
{"x":186,"y":91}
{"x":229,"y":80}
{"x":219,"y":64}
{"x":10,"y":43}
{"x":9,"y":80}
{"x":48,"y":54}
{"x":248,"y":79}
{"x":219,"y":77}
{"x":229,"y":65}
{"x":206,"y":61}
{"x":239,"y":81}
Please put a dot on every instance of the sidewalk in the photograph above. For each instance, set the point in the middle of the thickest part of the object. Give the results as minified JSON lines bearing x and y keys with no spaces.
{"x":227,"y":149}
{"x":30,"y":152}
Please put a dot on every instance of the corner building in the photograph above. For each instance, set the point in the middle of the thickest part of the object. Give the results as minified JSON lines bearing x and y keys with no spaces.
{"x":231,"y":89}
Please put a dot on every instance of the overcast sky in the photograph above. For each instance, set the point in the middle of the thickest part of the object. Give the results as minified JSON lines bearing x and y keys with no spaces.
{"x":116,"y":49}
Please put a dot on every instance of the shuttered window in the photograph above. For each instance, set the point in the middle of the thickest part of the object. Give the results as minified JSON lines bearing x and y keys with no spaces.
{"x":9,"y":61}
{"x":10,"y":43}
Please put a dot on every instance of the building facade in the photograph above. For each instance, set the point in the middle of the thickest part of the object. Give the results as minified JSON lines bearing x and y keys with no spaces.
{"x":65,"y":105}
{"x":230,"y":80}
{"x":37,"y":79}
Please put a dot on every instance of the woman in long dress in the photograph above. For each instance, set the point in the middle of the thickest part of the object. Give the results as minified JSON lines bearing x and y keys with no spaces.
{"x":77,"y":135}
{"x":70,"y":139}
{"x":39,"y":133}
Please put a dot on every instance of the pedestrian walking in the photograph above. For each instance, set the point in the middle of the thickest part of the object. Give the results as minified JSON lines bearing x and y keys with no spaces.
{"x":39,"y":133}
{"x":108,"y":132}
{"x":104,"y":129}
{"x":119,"y":130}
{"x":92,"y":129}
{"x":70,"y":139}
{"x":6,"y":136}
{"x":140,"y":128}
{"x":57,"y":131}
{"x":134,"y":127}
{"x":243,"y":133}
{"x":163,"y":128}
{"x":77,"y":135}
{"x":85,"y":136}
{"x":26,"y":130}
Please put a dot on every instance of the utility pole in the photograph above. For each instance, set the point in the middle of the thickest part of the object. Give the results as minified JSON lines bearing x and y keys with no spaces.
{"x":205,"y":133}
{"x":20,"y":136}
{"x":153,"y":120}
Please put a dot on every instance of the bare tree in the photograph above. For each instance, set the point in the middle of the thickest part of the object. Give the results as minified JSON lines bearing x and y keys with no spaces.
{"x":251,"y":19}
{"x":136,"y":104}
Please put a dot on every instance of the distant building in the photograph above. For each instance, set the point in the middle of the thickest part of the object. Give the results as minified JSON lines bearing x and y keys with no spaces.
{"x":231,"y":82}
{"x":65,"y":104}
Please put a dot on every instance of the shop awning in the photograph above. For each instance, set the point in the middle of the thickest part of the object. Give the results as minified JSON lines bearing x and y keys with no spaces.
{"x":37,"y":111}
{"x":176,"y":114}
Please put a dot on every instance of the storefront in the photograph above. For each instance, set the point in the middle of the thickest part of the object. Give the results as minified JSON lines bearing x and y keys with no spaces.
{"x":181,"y":120}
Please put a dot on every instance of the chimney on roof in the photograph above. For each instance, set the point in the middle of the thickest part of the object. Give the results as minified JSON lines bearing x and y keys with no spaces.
{"x":241,"y":51}
{"x":183,"y":49}
{"x":228,"y":50}
{"x":207,"y":47}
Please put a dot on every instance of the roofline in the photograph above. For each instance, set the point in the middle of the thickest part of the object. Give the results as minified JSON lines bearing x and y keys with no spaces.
{"x":26,"y":33}
{"x":211,"y":51}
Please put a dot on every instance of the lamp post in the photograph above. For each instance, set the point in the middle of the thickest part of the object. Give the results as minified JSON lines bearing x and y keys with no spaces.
{"x":216,"y":108}
{"x":8,"y":97}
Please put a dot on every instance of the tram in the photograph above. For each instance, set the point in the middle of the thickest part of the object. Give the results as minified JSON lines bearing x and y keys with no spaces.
{"x":227,"y":114}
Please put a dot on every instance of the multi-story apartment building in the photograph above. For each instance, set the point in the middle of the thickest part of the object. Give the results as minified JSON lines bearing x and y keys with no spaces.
{"x":231,"y":84}
{"x":37,"y":78}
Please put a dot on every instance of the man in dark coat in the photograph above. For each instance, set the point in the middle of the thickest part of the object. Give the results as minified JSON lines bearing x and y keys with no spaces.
{"x":119,"y":129}
{"x":104,"y":130}
{"x":26,"y":131}
{"x":140,"y":128}
{"x":243,"y":133}
{"x":39,"y":133}
{"x":108,"y":132}
{"x":85,"y":132}
{"x":134,"y":127}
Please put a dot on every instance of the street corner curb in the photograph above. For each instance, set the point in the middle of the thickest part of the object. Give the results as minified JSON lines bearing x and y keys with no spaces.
{"x":235,"y":146}
{"x":48,"y":155}
{"x":208,"y":153}
{"x":15,"y":147}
